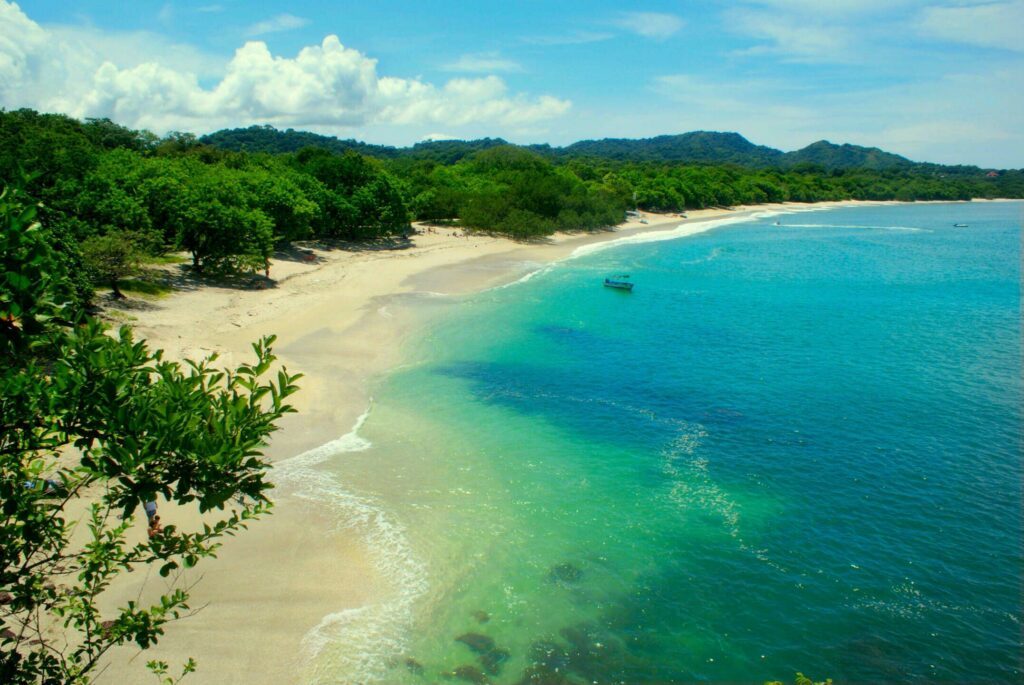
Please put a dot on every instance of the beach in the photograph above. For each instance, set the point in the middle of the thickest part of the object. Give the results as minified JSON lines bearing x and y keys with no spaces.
{"x":259,"y":604}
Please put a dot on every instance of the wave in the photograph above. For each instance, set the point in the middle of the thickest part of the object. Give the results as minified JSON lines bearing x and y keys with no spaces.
{"x":680,"y":231}
{"x":526,"y":277}
{"x":912,"y":229}
{"x":365,"y":636}
{"x":710,"y":257}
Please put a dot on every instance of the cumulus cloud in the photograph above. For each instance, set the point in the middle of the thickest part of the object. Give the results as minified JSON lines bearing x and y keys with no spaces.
{"x":991,"y":25}
{"x":655,"y":25}
{"x":483,"y":62}
{"x":325,"y":86}
{"x":282,"y":22}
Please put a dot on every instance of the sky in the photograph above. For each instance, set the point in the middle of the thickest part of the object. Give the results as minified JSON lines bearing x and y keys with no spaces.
{"x":934,"y":81}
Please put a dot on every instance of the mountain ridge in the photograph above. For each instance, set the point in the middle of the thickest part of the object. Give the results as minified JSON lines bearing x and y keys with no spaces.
{"x":699,"y":147}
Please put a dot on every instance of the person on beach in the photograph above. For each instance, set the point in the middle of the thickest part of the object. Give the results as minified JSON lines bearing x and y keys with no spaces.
{"x":154,"y":527}
{"x":150,"y":508}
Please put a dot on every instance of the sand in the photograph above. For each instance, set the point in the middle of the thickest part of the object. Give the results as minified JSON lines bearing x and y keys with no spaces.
{"x":272,"y":585}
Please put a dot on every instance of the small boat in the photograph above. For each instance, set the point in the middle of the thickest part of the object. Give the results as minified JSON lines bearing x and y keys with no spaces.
{"x":619,"y":283}
{"x":959,"y":225}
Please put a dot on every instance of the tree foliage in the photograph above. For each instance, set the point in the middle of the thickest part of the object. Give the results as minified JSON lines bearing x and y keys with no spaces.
{"x":93,"y":421}
{"x":229,"y":198}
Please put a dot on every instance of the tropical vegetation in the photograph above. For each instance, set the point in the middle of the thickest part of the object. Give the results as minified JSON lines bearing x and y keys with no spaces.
{"x":93,"y":425}
{"x":112,"y":197}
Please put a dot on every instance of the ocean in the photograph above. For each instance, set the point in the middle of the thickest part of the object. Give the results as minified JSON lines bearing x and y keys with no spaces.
{"x":795,"y":446}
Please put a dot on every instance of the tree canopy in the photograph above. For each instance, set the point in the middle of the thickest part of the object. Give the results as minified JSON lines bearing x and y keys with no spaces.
{"x":230,"y":198}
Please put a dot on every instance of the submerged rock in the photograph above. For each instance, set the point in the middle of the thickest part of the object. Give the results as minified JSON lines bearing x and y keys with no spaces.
{"x":538,"y":674}
{"x":481,"y":644}
{"x":576,"y":636}
{"x":549,"y":653}
{"x":481,"y":616}
{"x":471,"y":674}
{"x":493,"y":660}
{"x":566,"y":572}
{"x":414,"y":666}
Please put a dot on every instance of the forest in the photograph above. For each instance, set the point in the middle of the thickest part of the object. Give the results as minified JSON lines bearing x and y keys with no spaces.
{"x":110,"y":196}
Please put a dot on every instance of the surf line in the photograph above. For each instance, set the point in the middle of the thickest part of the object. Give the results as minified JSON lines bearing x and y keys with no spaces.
{"x":352,"y":644}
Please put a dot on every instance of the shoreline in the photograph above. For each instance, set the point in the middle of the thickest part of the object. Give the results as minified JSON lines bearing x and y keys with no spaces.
{"x":271,"y":589}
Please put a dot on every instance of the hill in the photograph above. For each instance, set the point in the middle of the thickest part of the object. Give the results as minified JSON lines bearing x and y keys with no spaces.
{"x":696,"y":147}
{"x":266,"y":138}
{"x":269,"y":139}
{"x":846,"y":156}
{"x":709,"y":147}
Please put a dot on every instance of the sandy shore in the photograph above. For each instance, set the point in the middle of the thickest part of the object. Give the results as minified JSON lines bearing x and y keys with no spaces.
{"x":329,"y":308}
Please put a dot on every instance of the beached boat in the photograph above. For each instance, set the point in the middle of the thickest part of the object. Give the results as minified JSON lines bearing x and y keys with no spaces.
{"x":619,"y":283}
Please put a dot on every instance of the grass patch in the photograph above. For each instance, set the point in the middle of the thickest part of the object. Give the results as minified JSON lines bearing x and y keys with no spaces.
{"x":165,"y":259}
{"x":119,"y":317}
{"x":145,"y":286}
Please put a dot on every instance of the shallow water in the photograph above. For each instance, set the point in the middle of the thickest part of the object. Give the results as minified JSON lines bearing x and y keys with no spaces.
{"x":792,"y":447}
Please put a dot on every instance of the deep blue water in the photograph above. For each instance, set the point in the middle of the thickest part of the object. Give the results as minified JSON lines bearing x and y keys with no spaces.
{"x":792,"y":447}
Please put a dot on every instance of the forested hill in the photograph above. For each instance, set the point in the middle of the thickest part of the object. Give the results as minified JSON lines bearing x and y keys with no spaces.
{"x":269,"y":139}
{"x":709,"y":147}
{"x":846,"y":156}
{"x":701,"y":147}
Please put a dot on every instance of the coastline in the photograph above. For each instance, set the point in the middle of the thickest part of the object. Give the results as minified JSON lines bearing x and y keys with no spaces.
{"x":271,"y":588}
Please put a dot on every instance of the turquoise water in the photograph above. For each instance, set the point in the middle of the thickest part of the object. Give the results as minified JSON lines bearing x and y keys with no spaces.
{"x":792,"y":447}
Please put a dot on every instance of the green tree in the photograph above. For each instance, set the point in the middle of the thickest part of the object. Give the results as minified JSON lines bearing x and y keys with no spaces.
{"x":99,"y":423}
{"x":112,"y":258}
{"x":220,"y":227}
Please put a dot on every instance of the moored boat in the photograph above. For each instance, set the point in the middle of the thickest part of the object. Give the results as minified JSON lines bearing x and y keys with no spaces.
{"x":619,"y":282}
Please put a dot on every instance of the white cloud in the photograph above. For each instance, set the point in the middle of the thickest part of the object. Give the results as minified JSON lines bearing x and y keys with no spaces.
{"x":23,"y":47}
{"x":832,"y":8}
{"x":792,"y":37}
{"x":282,"y":22}
{"x":325,"y":86}
{"x":749,"y":106}
{"x":166,"y":13}
{"x":573,"y":38}
{"x":963,"y":118}
{"x":86,"y":48}
{"x":991,"y":25}
{"x":655,"y":25}
{"x":483,"y":62}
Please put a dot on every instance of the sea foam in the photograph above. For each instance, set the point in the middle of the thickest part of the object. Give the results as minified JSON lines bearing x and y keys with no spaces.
{"x":352,"y":645}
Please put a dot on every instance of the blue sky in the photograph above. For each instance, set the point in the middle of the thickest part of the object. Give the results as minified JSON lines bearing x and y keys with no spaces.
{"x":936,"y":81}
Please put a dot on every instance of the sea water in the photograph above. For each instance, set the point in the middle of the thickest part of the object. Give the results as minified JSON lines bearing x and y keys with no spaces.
{"x":795,"y":446}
